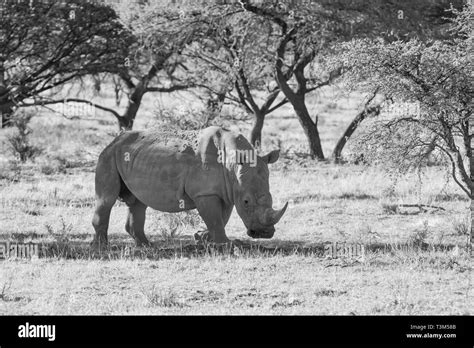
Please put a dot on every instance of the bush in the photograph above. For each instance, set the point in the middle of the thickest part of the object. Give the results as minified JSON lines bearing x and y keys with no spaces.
{"x":184,"y":119}
{"x":462,"y":227}
{"x":174,"y":224}
{"x":19,"y":141}
{"x":196,"y":118}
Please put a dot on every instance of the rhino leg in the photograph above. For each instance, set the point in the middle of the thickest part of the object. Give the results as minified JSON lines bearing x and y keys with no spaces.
{"x":136,"y":222}
{"x":226,"y":212}
{"x":215,"y":216}
{"x":107,"y":188}
{"x":206,"y":235}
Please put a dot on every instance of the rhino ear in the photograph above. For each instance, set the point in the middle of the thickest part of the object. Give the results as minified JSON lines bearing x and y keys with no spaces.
{"x":210,"y":145}
{"x":271,"y":157}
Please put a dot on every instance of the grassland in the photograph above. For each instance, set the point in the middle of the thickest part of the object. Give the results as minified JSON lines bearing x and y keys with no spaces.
{"x":51,"y":199}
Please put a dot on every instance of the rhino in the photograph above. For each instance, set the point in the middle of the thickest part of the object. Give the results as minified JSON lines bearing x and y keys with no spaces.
{"x":170,"y":170}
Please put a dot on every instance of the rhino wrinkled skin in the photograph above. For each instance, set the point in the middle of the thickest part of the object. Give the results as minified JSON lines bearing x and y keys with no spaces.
{"x":172,"y":171}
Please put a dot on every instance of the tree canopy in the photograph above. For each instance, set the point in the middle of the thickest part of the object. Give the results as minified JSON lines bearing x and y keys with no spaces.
{"x":45,"y":45}
{"x":428,"y":86}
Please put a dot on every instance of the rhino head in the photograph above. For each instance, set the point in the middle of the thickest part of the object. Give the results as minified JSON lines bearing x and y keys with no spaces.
{"x":246,"y":178}
{"x":252,"y":197}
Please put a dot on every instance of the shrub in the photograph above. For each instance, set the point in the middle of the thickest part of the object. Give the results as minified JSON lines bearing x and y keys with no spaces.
{"x":462,"y":227}
{"x":19,"y":141}
{"x":419,"y":236}
{"x":172,"y":225}
{"x":185,"y":119}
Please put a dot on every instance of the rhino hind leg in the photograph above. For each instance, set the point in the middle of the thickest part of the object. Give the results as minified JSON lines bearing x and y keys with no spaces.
{"x":100,"y":222}
{"x":107,"y":189}
{"x":136,"y":222}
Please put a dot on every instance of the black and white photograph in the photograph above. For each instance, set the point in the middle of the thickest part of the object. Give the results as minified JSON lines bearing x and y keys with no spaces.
{"x":184,"y":158}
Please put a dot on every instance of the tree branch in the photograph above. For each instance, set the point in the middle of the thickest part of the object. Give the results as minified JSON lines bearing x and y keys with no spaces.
{"x":453,"y":170}
{"x":248,"y":94}
{"x":242,"y":99}
{"x":264,"y":13}
{"x":75,"y":100}
{"x":280,"y":76}
{"x":169,"y":89}
{"x":280,"y":104}
{"x":268,"y":103}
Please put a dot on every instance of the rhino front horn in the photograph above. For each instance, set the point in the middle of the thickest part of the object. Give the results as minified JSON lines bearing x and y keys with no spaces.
{"x":273,"y":216}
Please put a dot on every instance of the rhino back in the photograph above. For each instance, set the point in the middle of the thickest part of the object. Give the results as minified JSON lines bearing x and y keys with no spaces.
{"x":155,"y":166}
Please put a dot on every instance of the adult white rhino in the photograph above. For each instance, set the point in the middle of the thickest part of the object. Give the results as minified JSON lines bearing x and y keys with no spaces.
{"x":171,"y":171}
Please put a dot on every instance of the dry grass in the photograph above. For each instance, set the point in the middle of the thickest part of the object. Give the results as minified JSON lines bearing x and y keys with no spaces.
{"x":51,"y":200}
{"x":407,"y":283}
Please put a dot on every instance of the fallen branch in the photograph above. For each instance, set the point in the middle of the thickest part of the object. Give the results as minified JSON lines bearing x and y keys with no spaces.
{"x":421,"y":206}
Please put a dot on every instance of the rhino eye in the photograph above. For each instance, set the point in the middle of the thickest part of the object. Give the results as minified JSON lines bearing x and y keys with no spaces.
{"x":247,"y":201}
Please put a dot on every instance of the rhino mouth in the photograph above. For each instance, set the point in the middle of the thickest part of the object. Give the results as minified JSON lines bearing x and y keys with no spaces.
{"x":264,"y":234}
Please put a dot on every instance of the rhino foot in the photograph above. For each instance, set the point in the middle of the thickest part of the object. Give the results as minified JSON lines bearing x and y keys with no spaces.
{"x":201,"y":237}
{"x":143,"y":244}
{"x":99,"y":245}
{"x":237,"y":242}
{"x":204,"y":238}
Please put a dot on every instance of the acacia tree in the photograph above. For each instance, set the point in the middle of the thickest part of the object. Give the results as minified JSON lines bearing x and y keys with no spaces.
{"x":143,"y":58}
{"x":161,"y":33}
{"x":46,"y":45}
{"x":294,"y":31}
{"x":236,"y":60}
{"x":425,"y":21}
{"x":435,"y":78}
{"x":157,"y":34}
{"x":308,"y":31}
{"x":249,"y":67}
{"x":233,"y":62}
{"x":367,"y":111}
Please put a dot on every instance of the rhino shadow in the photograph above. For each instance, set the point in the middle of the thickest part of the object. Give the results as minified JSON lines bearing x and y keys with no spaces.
{"x":185,"y":246}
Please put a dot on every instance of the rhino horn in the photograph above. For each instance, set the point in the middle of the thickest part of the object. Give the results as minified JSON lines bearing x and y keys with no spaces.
{"x":273,"y":216}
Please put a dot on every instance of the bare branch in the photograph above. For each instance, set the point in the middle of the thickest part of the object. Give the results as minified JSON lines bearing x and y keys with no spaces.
{"x":169,"y":89}
{"x":43,"y":102}
{"x":453,"y":171}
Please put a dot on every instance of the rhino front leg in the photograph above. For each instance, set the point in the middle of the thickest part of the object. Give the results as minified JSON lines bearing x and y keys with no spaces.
{"x":205,"y":235}
{"x":226,"y":212}
{"x":212,"y":211}
{"x":135,"y":224}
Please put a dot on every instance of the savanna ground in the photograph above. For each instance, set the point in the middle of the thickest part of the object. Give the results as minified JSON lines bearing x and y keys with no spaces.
{"x":51,"y":199}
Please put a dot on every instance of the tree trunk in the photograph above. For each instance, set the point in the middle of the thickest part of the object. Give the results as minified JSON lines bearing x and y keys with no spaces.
{"x":128,"y":118}
{"x":470,"y":130}
{"x":256,"y":132}
{"x":6,"y":117}
{"x":215,"y":103}
{"x":310,"y":128}
{"x":6,"y":111}
{"x":336,"y":155}
{"x":297,"y":99}
{"x":126,"y":122}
